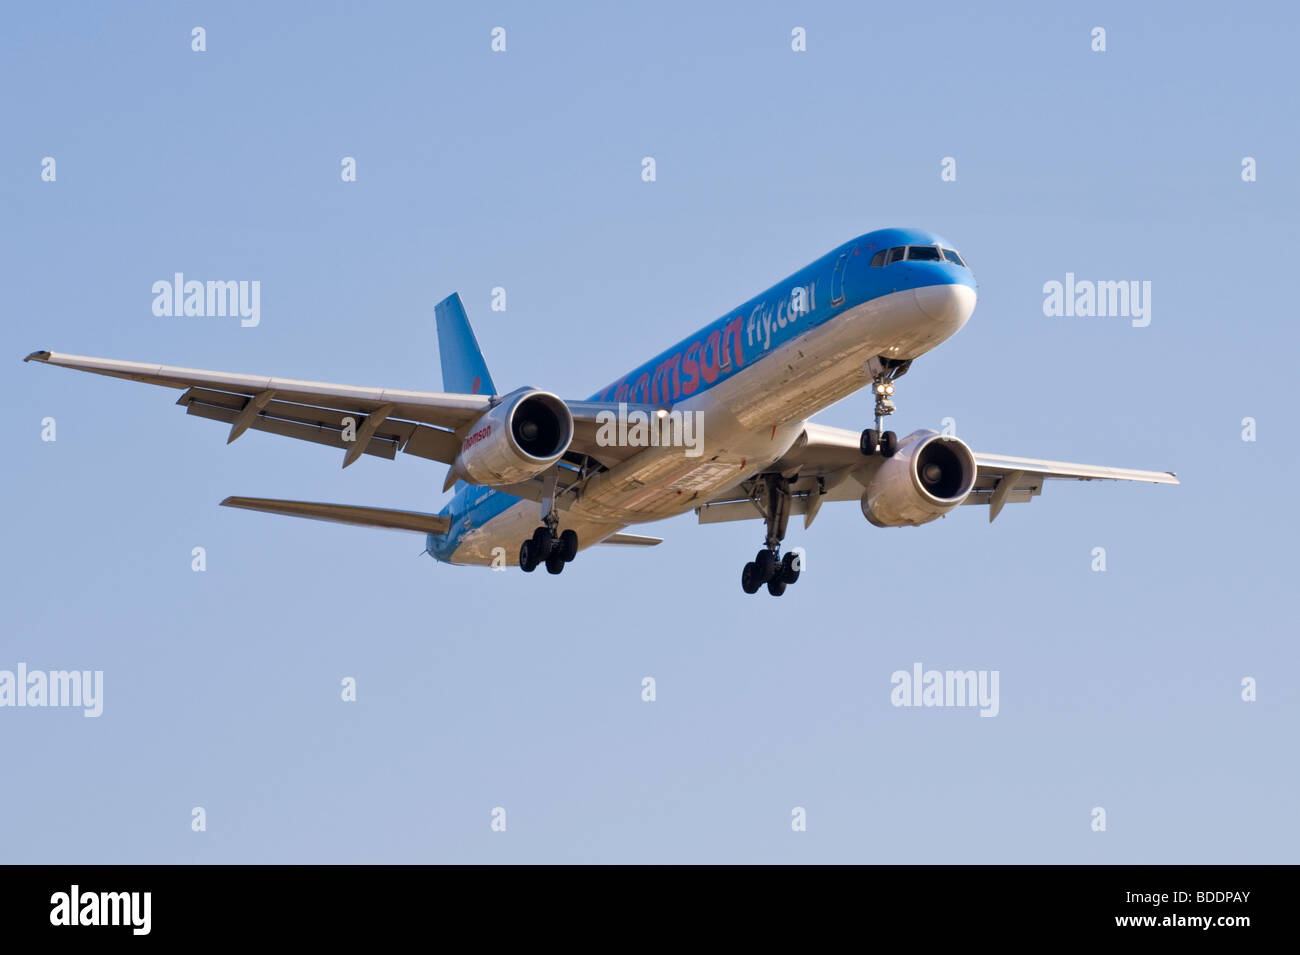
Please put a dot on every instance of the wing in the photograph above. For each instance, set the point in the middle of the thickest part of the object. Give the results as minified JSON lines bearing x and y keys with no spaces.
{"x":426,"y":424}
{"x":826,"y":465}
{"x":1002,"y":479}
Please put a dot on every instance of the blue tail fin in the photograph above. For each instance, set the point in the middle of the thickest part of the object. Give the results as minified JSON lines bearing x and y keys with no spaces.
{"x":464,"y":372}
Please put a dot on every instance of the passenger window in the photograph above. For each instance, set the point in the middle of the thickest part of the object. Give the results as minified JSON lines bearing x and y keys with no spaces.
{"x":953,"y":257}
{"x":878,"y":259}
{"x":896,"y":253}
{"x":922,"y":253}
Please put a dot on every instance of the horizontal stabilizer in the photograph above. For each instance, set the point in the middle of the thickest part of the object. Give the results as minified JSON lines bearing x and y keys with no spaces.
{"x":347,"y":514}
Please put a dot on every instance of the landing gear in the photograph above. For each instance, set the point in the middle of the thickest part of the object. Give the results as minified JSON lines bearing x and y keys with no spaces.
{"x":766,"y":569}
{"x":768,"y":566}
{"x":885,"y":442}
{"x":883,"y":371}
{"x":549,"y":548}
{"x":546,"y":547}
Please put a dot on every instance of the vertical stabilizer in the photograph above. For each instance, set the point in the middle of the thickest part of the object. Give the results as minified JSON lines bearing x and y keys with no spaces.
{"x":464,"y":372}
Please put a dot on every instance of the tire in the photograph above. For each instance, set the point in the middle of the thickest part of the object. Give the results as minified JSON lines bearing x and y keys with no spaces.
{"x":765,"y":566}
{"x":870,"y":439}
{"x":543,"y":543}
{"x":790,"y":573}
{"x":555,"y":563}
{"x":776,"y":586}
{"x":526,"y":562}
{"x":569,"y":545}
{"x":749,"y":581}
{"x":888,"y":444}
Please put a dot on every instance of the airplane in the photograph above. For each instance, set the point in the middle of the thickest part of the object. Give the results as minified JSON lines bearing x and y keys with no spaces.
{"x":718,"y":424}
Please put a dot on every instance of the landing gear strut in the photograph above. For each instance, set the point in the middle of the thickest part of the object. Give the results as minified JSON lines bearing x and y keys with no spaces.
{"x":768,"y":566}
{"x":883,"y":371}
{"x":547,"y":545}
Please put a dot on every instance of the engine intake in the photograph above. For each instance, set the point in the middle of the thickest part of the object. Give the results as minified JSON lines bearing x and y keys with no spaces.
{"x":927,"y":477}
{"x":518,"y":439}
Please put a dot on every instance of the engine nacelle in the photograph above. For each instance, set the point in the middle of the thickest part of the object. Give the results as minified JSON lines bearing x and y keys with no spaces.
{"x":518,"y":439}
{"x":927,"y":477}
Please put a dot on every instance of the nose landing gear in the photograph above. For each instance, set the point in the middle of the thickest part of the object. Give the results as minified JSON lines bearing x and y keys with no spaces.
{"x":883,"y":371}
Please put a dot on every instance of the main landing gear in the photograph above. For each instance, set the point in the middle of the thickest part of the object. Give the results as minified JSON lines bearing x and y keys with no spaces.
{"x":768,"y":566}
{"x":548,"y":546}
{"x":883,"y":371}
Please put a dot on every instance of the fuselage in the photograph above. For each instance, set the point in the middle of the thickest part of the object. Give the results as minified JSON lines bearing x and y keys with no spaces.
{"x":751,"y":378}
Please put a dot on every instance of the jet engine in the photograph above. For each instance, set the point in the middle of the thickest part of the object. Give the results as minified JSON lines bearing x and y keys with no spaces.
{"x":927,"y":477}
{"x":518,"y":439}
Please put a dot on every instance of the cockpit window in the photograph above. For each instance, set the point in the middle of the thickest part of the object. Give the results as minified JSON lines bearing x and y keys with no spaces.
{"x":916,"y":253}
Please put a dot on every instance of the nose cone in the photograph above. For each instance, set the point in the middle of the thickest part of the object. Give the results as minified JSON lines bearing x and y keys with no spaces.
{"x":946,"y":305}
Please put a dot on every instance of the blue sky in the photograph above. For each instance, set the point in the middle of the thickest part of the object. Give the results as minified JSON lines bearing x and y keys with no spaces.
{"x":521,"y":169}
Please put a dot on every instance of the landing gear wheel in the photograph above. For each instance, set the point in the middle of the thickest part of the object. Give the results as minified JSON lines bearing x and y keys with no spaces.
{"x":870,"y":441}
{"x":569,"y":545}
{"x":765,"y":565}
{"x":789,"y":572}
{"x":555,"y":563}
{"x":749,"y":581}
{"x":543,"y":543}
{"x":526,"y":562}
{"x":776,"y":586}
{"x":888,"y":444}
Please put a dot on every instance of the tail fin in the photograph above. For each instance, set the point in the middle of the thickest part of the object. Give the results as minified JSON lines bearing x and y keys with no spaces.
{"x":464,"y":372}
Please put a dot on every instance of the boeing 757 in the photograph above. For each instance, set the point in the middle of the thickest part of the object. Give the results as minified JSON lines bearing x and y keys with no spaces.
{"x":718,"y":424}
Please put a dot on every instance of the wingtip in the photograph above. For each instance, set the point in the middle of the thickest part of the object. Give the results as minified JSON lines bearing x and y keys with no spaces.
{"x":38,"y":356}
